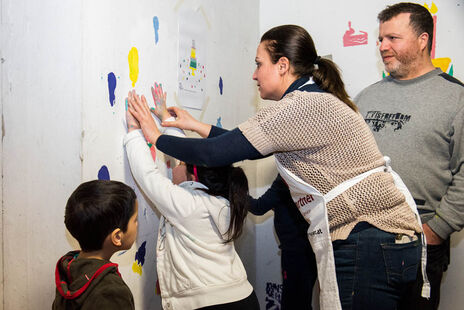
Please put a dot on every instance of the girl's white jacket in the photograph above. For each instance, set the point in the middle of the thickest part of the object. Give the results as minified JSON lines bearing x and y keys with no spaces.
{"x":195,"y":268}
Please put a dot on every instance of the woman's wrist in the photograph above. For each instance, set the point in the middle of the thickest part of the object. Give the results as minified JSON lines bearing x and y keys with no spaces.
{"x":202,"y":129}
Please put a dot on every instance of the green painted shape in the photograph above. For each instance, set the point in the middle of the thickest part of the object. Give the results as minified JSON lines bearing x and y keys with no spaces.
{"x":451,"y":70}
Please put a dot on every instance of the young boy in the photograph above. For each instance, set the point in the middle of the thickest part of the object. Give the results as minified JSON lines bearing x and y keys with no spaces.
{"x":102,"y":216}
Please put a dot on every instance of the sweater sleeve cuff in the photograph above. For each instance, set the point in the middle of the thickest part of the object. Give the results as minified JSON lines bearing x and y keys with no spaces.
{"x":254,"y":134}
{"x":440,"y":227}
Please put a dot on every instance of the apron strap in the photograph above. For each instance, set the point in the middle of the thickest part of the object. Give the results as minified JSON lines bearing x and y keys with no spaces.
{"x":340,"y":188}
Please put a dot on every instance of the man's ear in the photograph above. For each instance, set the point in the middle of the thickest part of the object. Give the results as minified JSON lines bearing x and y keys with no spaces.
{"x":423,"y":41}
{"x":283,"y":65}
{"x":116,"y":237}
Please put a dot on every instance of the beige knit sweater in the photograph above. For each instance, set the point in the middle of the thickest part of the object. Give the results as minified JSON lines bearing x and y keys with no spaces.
{"x":322,"y":141}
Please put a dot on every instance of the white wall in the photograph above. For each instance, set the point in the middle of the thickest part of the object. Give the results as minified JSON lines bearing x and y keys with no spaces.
{"x":41,"y":95}
{"x":58,"y":120}
{"x":327,"y":21}
{"x":1,"y":156}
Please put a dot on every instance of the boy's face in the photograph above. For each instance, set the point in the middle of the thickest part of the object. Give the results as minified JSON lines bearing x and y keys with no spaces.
{"x":131,"y":233}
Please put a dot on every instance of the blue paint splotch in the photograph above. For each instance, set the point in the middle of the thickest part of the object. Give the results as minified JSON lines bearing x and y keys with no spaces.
{"x":103,"y":173}
{"x":156,"y":27}
{"x":218,"y":122}
{"x":220,"y":85}
{"x":111,"y":87}
{"x":140,"y":254}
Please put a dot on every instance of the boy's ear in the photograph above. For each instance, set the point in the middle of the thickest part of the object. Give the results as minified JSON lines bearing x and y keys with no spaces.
{"x":116,"y":237}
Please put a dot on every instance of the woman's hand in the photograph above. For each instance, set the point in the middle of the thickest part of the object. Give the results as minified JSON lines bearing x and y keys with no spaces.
{"x":132,"y":123}
{"x":159,"y":97}
{"x":186,"y":121}
{"x":138,"y":107}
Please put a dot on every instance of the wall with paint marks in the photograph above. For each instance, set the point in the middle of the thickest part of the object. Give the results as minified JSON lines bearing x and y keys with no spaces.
{"x":65,"y":71}
{"x":348,"y":31}
{"x":64,"y":77}
{"x":140,"y":52}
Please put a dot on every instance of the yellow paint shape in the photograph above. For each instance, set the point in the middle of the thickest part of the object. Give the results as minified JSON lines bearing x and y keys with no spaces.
{"x":133,"y":65}
{"x":137,"y":268}
{"x":442,"y":63}
{"x":433,"y":9}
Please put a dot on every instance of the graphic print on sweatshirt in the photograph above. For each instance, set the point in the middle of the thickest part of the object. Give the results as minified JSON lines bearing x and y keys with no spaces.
{"x":378,"y":120}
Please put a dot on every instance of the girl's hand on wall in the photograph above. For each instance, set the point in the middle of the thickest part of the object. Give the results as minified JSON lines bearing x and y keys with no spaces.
{"x":160,"y":102}
{"x":132,"y":123}
{"x":186,"y":121}
{"x":138,"y":107}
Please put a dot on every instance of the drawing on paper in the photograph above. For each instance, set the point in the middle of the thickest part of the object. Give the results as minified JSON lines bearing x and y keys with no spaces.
{"x":192,"y":69}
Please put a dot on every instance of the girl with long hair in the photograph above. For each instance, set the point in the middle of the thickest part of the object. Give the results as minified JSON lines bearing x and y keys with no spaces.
{"x":203,"y":211}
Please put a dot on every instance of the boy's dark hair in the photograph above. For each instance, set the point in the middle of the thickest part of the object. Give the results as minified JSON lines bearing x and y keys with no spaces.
{"x":420,"y":19}
{"x":232,"y":184}
{"x":95,"y":209}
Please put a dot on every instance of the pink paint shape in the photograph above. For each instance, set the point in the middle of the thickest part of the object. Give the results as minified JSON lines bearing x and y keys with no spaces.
{"x":432,"y":52}
{"x":351,"y":39}
{"x":153,"y":153}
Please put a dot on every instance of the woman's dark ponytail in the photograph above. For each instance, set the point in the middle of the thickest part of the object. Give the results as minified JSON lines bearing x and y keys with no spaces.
{"x":232,"y":184}
{"x":328,"y":77}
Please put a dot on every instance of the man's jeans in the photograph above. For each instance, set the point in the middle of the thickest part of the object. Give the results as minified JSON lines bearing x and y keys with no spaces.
{"x":374,"y":268}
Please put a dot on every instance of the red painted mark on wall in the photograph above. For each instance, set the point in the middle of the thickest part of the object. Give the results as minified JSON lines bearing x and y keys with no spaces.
{"x":351,"y":39}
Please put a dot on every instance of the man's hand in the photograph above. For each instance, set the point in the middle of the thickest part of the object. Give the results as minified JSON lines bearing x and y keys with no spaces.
{"x":431,"y":236}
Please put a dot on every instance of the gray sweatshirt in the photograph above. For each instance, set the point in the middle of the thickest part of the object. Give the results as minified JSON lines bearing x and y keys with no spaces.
{"x":419,"y":124}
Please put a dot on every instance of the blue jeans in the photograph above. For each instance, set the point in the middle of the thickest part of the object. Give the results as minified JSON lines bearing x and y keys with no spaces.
{"x":374,"y":272}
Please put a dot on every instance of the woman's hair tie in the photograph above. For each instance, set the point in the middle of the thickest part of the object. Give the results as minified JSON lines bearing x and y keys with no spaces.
{"x":317,"y":60}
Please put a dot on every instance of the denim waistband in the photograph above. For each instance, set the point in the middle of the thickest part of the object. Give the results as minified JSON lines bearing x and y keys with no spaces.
{"x":361,"y":226}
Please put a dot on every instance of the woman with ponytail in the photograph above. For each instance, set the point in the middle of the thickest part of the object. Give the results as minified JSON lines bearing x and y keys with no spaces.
{"x":363,"y":223}
{"x":203,"y":211}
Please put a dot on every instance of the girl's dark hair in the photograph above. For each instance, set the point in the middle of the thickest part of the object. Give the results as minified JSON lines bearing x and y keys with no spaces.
{"x":296,"y":44}
{"x":95,"y":209}
{"x":232,"y":184}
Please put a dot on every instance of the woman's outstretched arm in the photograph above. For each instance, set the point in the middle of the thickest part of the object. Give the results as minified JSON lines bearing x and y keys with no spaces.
{"x":225,"y":149}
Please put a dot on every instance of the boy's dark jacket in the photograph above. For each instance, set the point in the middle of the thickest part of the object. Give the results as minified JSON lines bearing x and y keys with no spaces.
{"x":90,"y":284}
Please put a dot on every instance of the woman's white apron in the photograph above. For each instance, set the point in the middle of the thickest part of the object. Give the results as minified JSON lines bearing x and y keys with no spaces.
{"x":312,"y":205}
